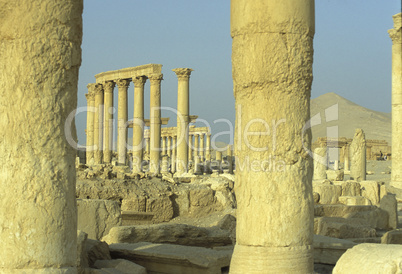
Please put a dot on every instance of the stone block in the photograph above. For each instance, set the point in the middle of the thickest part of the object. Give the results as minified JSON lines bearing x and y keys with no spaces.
{"x":389,"y":204}
{"x":82,"y":257}
{"x":339,"y":210}
{"x":392,"y":237}
{"x":351,"y":188}
{"x":161,"y":207}
{"x":370,"y":190}
{"x":335,"y":175}
{"x":136,"y":218}
{"x":96,"y":250}
{"x":341,"y":228}
{"x":135,"y":203}
{"x":370,"y":258}
{"x":328,"y":250}
{"x":97,"y":217}
{"x":376,"y":218}
{"x":354,"y":200}
{"x":121,"y":265}
{"x":169,"y":258}
{"x":328,"y":192}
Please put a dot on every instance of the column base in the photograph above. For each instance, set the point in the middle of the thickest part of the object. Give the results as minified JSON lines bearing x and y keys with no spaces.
{"x":63,"y":270}
{"x":260,"y":259}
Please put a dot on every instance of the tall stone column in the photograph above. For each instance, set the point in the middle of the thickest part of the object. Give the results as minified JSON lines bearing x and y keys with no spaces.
{"x":196,"y":144}
{"x":98,"y":124}
{"x":155,"y":122}
{"x":90,"y":125}
{"x":108,"y":122}
{"x":138,"y":123}
{"x":229,"y":157}
{"x":174,"y":153}
{"x":218,"y":158}
{"x":320,"y":163}
{"x":346,"y":161}
{"x":163,"y":145}
{"x":201,"y":147}
{"x":183,"y":109}
{"x":396,"y":36}
{"x":208,"y":148}
{"x":40,"y":57}
{"x":122,"y":116}
{"x":190,"y":147}
{"x":169,"y":146}
{"x":358,"y":156}
{"x":148,"y":146}
{"x":272,"y":57}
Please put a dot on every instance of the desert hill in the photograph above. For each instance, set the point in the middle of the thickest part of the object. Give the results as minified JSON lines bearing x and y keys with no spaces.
{"x":376,"y":125}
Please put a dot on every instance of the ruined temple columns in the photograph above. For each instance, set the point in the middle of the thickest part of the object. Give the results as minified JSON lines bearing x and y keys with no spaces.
{"x":108,"y":121}
{"x":138,"y":122}
{"x":272,"y":56}
{"x":190,"y":147}
{"x":183,"y":108}
{"x":98,"y":124}
{"x":358,"y":156}
{"x":40,"y":57}
{"x":90,"y":124}
{"x":320,"y":163}
{"x":122,"y":116}
{"x":396,"y":36}
{"x":155,"y":122}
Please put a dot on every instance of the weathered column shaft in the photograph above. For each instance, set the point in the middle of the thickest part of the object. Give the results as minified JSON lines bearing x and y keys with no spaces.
{"x":98,"y":124}
{"x":196,"y":144}
{"x":108,"y":122}
{"x":174,"y":153}
{"x":320,"y":163}
{"x":155,"y":122}
{"x":90,"y":125}
{"x":358,"y":156}
{"x":272,"y":57}
{"x":396,"y":36}
{"x":138,"y":122}
{"x":190,"y":147}
{"x":201,"y":147}
{"x":163,"y":145}
{"x":208,"y":148}
{"x":346,"y":161}
{"x":122,"y":116}
{"x":229,"y":157}
{"x":40,"y":57}
{"x":169,"y":146}
{"x":183,"y":110}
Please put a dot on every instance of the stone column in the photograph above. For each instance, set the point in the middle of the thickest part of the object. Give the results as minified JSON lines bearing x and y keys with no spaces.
{"x":218,"y":158}
{"x":122,"y":117}
{"x":174,"y":153}
{"x":196,"y":144}
{"x":272,"y":57}
{"x":40,"y":57}
{"x":190,"y":147}
{"x":396,"y":36}
{"x":108,"y":122}
{"x":229,"y":157}
{"x":148,"y":147}
{"x":358,"y":156}
{"x":90,"y":125}
{"x":183,"y":108}
{"x":155,"y":122}
{"x":138,"y":123}
{"x":320,"y":163}
{"x":346,"y":161}
{"x":98,"y":124}
{"x":208,"y":148}
{"x":163,"y":145}
{"x":201,"y":147}
{"x":169,"y":146}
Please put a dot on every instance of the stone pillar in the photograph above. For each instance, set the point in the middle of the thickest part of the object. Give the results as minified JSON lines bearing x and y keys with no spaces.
{"x":272,"y":57}
{"x":165,"y":164}
{"x":320,"y":163}
{"x":174,"y":153}
{"x":396,"y":36}
{"x":183,"y":109}
{"x":336,"y":165}
{"x":208,"y":148}
{"x":40,"y":57}
{"x":190,"y":147}
{"x":148,"y":147}
{"x":358,"y":156}
{"x":90,"y":125}
{"x":164,"y":145}
{"x":155,"y":122}
{"x":218,"y":158}
{"x":201,"y":147}
{"x":169,"y":146}
{"x":108,"y":122}
{"x":98,"y":124}
{"x":122,"y":116}
{"x":346,"y":161}
{"x":229,"y":157}
{"x":196,"y":144}
{"x":197,"y":164}
{"x":138,"y":123}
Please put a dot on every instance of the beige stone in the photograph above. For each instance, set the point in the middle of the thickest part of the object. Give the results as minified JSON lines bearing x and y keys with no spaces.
{"x":354,"y":200}
{"x":121,"y":265}
{"x":161,"y":207}
{"x":392,"y":237}
{"x":350,"y":188}
{"x":320,"y":163}
{"x":82,"y":257}
{"x":96,"y":250}
{"x":138,"y":123}
{"x":40,"y":57}
{"x":271,"y":83}
{"x":329,"y":193}
{"x":340,"y":210}
{"x":98,"y":123}
{"x":328,"y":250}
{"x":370,"y":190}
{"x":389,"y":204}
{"x":370,"y":258}
{"x":90,"y":125}
{"x":97,"y":217}
{"x":396,"y":36}
{"x":342,"y":228}
{"x":122,"y":116}
{"x":358,"y":156}
{"x":108,"y":122}
{"x":155,"y":122}
{"x":335,"y":175}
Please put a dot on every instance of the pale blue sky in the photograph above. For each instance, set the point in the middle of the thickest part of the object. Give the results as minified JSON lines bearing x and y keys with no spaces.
{"x":352,"y":51}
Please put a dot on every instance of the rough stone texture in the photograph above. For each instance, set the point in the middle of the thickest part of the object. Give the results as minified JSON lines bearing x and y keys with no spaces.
{"x":329,"y":193}
{"x":396,"y":36}
{"x":358,"y":156}
{"x":328,"y":250}
{"x":320,"y":163}
{"x":134,"y":203}
{"x":96,"y":250}
{"x":370,"y":190}
{"x":272,"y":60}
{"x":181,"y":234}
{"x":392,"y":237}
{"x":168,"y":258}
{"x":354,"y":200}
{"x":342,"y":228}
{"x":339,"y":210}
{"x":350,"y":188}
{"x":121,"y":265}
{"x":370,"y":258}
{"x":161,"y":207}
{"x":97,"y":217}
{"x":389,"y":204}
{"x":40,"y":57}
{"x":335,"y":175}
{"x":82,"y":257}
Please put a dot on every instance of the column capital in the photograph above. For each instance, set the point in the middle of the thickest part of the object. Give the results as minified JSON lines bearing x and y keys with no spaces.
{"x":97,"y":88}
{"x":183,"y":73}
{"x":90,"y":96}
{"x":396,"y":32}
{"x":139,"y":81}
{"x":123,"y":83}
{"x":109,"y":86}
{"x":155,"y":78}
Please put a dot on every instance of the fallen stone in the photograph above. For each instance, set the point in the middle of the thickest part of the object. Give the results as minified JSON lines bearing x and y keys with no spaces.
{"x":389,"y":204}
{"x":351,"y":188}
{"x":121,"y":265}
{"x":82,"y":257}
{"x":370,"y":190}
{"x":329,"y":193}
{"x":161,"y":207}
{"x":339,"y":210}
{"x":328,"y":250}
{"x":342,"y":228}
{"x":169,"y":258}
{"x":392,"y":237}
{"x":354,"y":200}
{"x":134,"y":203}
{"x":130,"y":218}
{"x":335,"y":175}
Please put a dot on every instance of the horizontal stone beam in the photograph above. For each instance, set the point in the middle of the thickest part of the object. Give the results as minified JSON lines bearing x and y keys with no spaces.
{"x":128,"y":73}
